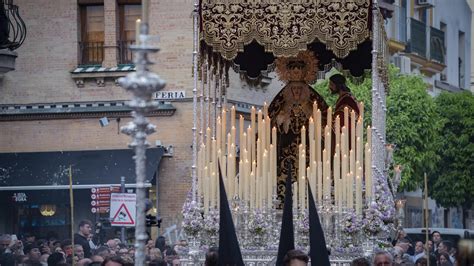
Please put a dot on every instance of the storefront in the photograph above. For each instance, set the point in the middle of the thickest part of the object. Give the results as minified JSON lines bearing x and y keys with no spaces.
{"x":34,"y":187}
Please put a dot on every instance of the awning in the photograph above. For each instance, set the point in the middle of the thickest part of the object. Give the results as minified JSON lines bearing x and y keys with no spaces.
{"x":50,"y":170}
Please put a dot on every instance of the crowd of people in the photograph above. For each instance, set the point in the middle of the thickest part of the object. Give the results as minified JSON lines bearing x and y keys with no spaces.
{"x":83,"y":251}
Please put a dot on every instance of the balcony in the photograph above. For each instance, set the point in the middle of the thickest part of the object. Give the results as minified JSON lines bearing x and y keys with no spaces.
{"x":397,"y":30}
{"x":426,"y":47}
{"x":12,"y":35}
{"x":125,"y":55}
{"x":91,"y":53}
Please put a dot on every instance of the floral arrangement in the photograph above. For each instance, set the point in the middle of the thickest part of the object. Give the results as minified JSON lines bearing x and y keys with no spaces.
{"x":351,"y":224}
{"x":302,"y":222}
{"x":211,"y":222}
{"x":385,"y":203}
{"x":372,"y":223}
{"x":257,"y":223}
{"x":193,"y":221}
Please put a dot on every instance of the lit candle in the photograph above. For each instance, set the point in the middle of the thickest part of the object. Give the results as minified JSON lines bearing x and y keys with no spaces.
{"x":241,"y":130}
{"x":252,"y":190}
{"x":206,"y":189}
{"x":224,"y":128}
{"x":137,"y":31}
{"x":232,"y":116}
{"x":218,"y":133}
{"x":264,"y":178}
{"x":353,"y":130}
{"x":303,"y":137}
{"x":241,"y":180}
{"x":318,"y":135}
{"x":252,"y":136}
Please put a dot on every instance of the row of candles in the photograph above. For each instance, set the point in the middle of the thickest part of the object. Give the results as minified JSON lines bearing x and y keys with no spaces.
{"x":255,"y":181}
{"x":336,"y":172}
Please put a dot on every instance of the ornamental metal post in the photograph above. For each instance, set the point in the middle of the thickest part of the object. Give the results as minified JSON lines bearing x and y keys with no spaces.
{"x":142,"y":84}
{"x":195,"y":73}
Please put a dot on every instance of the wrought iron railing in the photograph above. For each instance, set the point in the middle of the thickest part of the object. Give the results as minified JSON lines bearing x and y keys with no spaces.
{"x":426,"y":41}
{"x":125,"y":55}
{"x":437,"y":49}
{"x":418,"y":37}
{"x":12,"y":26}
{"x":91,"y":53}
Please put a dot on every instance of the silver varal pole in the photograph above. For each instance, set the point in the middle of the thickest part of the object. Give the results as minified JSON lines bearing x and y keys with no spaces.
{"x":195,"y":69}
{"x":142,"y":84}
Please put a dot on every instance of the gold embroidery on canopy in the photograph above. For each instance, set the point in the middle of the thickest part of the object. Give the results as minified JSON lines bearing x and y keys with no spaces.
{"x":284,"y":27}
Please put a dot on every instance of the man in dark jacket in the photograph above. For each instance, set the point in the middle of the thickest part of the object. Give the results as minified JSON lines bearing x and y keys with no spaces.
{"x":82,"y":237}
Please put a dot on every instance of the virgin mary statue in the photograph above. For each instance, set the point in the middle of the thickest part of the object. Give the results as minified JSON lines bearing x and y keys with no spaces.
{"x":291,"y":109}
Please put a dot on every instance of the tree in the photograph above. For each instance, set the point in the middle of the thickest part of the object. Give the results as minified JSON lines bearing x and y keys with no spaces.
{"x":412,"y":122}
{"x":453,"y":184}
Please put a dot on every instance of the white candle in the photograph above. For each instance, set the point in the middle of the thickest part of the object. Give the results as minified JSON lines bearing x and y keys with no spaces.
{"x":145,"y":11}
{"x":232,"y":116}
{"x":137,"y":31}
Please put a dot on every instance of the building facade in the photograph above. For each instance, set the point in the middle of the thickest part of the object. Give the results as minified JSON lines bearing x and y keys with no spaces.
{"x":433,"y":38}
{"x":64,"y":82}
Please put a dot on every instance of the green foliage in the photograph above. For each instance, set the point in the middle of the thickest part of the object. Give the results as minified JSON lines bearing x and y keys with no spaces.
{"x":453,"y":184}
{"x":412,"y":123}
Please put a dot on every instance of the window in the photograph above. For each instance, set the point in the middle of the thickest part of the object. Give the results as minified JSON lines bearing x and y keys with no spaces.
{"x":461,"y":58}
{"x":92,"y":35}
{"x":129,"y":13}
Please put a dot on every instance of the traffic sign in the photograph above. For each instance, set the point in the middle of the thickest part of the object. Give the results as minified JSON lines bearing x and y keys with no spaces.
{"x":123,"y":209}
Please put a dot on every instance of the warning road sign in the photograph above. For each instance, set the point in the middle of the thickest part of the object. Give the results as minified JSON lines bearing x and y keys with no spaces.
{"x":123,"y":209}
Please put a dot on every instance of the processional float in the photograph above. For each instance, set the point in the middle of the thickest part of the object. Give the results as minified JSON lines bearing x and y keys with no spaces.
{"x":343,"y":160}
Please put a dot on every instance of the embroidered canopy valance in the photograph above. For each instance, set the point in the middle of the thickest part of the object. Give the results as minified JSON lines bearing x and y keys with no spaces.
{"x":284,"y":27}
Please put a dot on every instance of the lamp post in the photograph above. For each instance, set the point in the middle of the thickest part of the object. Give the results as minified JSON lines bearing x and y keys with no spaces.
{"x":142,"y":84}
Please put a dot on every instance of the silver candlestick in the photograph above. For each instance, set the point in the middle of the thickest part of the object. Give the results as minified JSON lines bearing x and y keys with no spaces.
{"x":142,"y":84}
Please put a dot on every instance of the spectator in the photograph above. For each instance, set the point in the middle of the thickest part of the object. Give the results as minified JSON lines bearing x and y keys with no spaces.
{"x":212,"y":257}
{"x":66,"y":247}
{"x":443,"y":258}
{"x":170,"y":255}
{"x":113,"y":261}
{"x":421,"y":262}
{"x":445,"y":247}
{"x":161,"y":243}
{"x":55,"y":259}
{"x":97,"y":259}
{"x":44,"y":259}
{"x":29,"y":238}
{"x":79,"y":251}
{"x":295,"y":257}
{"x":103,"y":251}
{"x":383,"y":258}
{"x":419,"y":251}
{"x":84,"y":262}
{"x":360,"y":262}
{"x":32,"y":252}
{"x":82,"y":237}
{"x":436,"y":238}
{"x":113,"y":246}
{"x":155,"y":254}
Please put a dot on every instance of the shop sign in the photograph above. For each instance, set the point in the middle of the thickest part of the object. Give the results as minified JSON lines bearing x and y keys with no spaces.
{"x":169,"y":95}
{"x":19,"y":197}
